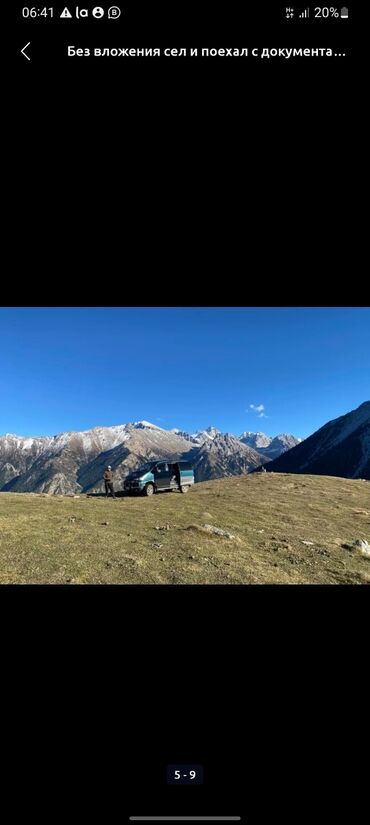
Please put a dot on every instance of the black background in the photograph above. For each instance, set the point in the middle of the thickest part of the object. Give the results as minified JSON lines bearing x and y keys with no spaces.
{"x":106,"y":686}
{"x":154,"y":92}
{"x":172,"y":167}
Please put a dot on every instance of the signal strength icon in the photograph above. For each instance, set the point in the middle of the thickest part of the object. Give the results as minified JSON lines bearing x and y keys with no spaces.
{"x":305,"y":14}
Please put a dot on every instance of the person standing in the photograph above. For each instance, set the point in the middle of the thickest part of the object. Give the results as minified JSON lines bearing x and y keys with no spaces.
{"x":108,"y":481}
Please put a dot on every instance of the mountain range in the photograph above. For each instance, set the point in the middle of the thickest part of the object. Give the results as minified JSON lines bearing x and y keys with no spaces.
{"x":270,"y":447}
{"x":339,"y":448}
{"x":72,"y":462}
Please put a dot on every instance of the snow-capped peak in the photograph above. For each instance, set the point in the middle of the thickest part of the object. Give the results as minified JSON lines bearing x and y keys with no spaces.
{"x":141,"y":425}
{"x":200,"y":436}
{"x":255,"y":440}
{"x":287,"y":439}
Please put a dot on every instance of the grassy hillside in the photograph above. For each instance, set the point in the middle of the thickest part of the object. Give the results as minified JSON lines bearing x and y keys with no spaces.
{"x":162,"y":539}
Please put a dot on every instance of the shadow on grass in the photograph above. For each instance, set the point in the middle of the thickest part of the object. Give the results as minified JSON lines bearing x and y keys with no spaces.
{"x":123,"y":494}
{"x":118,"y":494}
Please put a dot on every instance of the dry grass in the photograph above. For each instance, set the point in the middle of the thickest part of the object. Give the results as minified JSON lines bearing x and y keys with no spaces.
{"x":47,"y":539}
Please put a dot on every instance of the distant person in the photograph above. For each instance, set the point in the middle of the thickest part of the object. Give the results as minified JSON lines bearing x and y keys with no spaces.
{"x":263,"y":470}
{"x":108,"y":481}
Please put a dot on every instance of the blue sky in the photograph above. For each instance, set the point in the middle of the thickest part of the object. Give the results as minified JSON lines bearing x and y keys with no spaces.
{"x":270,"y":369}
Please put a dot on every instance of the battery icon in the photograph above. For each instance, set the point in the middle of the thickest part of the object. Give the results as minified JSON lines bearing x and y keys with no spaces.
{"x":344,"y":12}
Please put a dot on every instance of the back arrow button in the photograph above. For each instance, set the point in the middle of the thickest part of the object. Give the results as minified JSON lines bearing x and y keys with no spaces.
{"x":24,"y":52}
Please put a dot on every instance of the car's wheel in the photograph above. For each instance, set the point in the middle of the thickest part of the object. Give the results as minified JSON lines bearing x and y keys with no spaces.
{"x":184,"y":489}
{"x":149,"y":489}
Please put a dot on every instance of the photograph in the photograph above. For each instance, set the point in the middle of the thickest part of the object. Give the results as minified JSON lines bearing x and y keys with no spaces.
{"x":185,"y":445}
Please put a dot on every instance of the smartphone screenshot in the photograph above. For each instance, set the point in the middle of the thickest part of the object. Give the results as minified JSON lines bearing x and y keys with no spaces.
{"x":152,"y":518}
